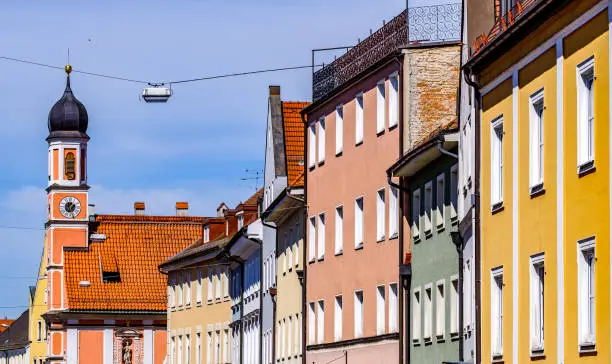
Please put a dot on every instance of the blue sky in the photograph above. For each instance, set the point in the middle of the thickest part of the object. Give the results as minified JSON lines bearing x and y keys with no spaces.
{"x":194,"y":148}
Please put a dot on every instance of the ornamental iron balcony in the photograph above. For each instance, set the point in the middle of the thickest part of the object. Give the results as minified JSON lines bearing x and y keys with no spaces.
{"x":418,"y":25}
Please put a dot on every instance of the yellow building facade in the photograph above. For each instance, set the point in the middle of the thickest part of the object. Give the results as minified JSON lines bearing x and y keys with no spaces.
{"x":544,"y":112}
{"x":38,"y":306}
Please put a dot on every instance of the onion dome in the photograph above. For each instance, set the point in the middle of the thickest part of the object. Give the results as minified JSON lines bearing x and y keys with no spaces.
{"x":68,"y":117}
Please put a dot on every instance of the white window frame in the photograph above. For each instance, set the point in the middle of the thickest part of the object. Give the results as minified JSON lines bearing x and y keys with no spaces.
{"x":240,"y":217}
{"x":497,"y":162}
{"x":393,"y":212}
{"x":226,"y":283}
{"x":585,"y":72}
{"x":497,"y":312}
{"x":199,"y":287}
{"x":320,"y":322}
{"x":587,"y":294}
{"x":289,"y":255}
{"x":180,"y":353}
{"x":393,"y":307}
{"x":321,"y":140}
{"x":359,"y":222}
{"x":338,"y":318}
{"x":226,"y":345}
{"x":339,"y":230}
{"x":180,"y":290}
{"x":187,"y":348}
{"x":188,"y":289}
{"x":312,"y":145}
{"x":339,"y":129}
{"x":440,"y":309}
{"x":417,"y":307}
{"x":440,"y":200}
{"x":428,"y":213}
{"x":288,"y":345}
{"x":428,"y":312}
{"x":393,"y":99}
{"x":206,"y":234}
{"x":218,"y":284}
{"x":454,"y":305}
{"x":312,"y":238}
{"x":284,"y":250}
{"x":198,"y":348}
{"x":311,"y":323}
{"x":209,"y":288}
{"x":536,"y":303}
{"x":380,"y":106}
{"x":536,"y":141}
{"x":454,"y":193}
{"x":380,"y":309}
{"x":416,"y":214}
{"x":321,"y":236}
{"x":358,"y":313}
{"x":380,"y":215}
{"x":359,"y":118}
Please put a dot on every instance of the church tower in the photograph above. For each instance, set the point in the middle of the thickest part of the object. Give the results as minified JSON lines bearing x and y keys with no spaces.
{"x":67,"y":215}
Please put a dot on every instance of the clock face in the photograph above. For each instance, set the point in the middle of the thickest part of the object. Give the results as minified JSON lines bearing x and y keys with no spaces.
{"x":70,"y":207}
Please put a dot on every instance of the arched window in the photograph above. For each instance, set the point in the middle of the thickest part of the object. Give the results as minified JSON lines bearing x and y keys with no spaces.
{"x":69,"y":164}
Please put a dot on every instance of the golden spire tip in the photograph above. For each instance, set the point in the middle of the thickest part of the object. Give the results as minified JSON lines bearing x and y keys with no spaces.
{"x":68,"y":69}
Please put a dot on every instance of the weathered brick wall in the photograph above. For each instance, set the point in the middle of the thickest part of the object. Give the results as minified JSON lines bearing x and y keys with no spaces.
{"x":432,"y":77}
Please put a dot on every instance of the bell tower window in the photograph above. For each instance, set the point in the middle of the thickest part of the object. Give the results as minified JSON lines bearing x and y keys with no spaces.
{"x":69,"y":166}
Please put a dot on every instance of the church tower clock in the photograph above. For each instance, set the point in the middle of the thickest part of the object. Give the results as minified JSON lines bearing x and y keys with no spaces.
{"x":67,"y":215}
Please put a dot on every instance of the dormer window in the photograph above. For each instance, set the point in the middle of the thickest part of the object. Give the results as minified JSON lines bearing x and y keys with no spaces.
{"x":240,"y":221}
{"x":69,"y":163}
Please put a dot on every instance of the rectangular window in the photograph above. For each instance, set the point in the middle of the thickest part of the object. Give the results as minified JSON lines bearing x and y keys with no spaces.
{"x":173,"y":349}
{"x":338,"y":319}
{"x":289,"y":328}
{"x":497,"y":312}
{"x":586,"y":114}
{"x":290,"y":251}
{"x":188,"y":289}
{"x":416,"y":315}
{"x":312,"y":244}
{"x":218,"y":284}
{"x":454,"y":191}
{"x":393,"y":212}
{"x":311,"y":323}
{"x":339,"y":128}
{"x":180,"y":289}
{"x":416,"y":213}
{"x":321,"y":140}
{"x":468,"y":282}
{"x":339,"y":230}
{"x":359,"y":119}
{"x":359,"y":223}
{"x":497,"y":162}
{"x":209,"y":283}
{"x":428,"y":206}
{"x":312,"y":145}
{"x":380,"y":310}
{"x":466,"y":153}
{"x":440,"y":310}
{"x":427,"y":313}
{"x":586,"y":293}
{"x":226,"y":346}
{"x":180,"y":353}
{"x":358,"y":312}
{"x":296,"y":254}
{"x":283,"y":337}
{"x":454,"y":306}
{"x":393,"y":100}
{"x":284,"y":250}
{"x":537,"y":303}
{"x":380,"y":107}
{"x":199,"y":287}
{"x":536,"y":141}
{"x":240,"y":221}
{"x":320,"y":322}
{"x":226,"y":283}
{"x":198,"y":353}
{"x":297,"y":335}
{"x":206,"y":234}
{"x":440,"y":200}
{"x":321,"y":236}
{"x":217,"y":347}
{"x":393,"y":307}
{"x":187,"y":349}
{"x":39,"y":331}
{"x":380,"y":215}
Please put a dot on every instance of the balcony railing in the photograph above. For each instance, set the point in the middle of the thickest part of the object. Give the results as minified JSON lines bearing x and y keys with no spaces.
{"x":416,"y":25}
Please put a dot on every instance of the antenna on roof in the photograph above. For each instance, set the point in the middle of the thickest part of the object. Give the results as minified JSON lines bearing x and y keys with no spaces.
{"x":253,"y":174}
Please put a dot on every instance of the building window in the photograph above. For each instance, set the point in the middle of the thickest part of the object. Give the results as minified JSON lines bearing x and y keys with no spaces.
{"x":198,"y":348}
{"x":69,"y":166}
{"x":440,"y":310}
{"x":537,"y":303}
{"x":454,"y":192}
{"x":218,"y":276}
{"x":428,"y":206}
{"x":240,"y":221}
{"x":380,"y":215}
{"x":339,"y":231}
{"x":359,"y":119}
{"x":312,"y":239}
{"x":226,"y":346}
{"x":187,"y":349}
{"x":497,"y":162}
{"x":393,"y":307}
{"x":466,"y":153}
{"x":209,"y":283}
{"x":393,"y":212}
{"x":393,"y":100}
{"x":321,"y":140}
{"x":180,"y":289}
{"x":358,"y":314}
{"x":311,"y":323}
{"x":339,"y":128}
{"x":320,"y":322}
{"x":416,"y":214}
{"x":312,"y":145}
{"x":321,"y":237}
{"x":359,"y":223}
{"x":427,"y":313}
{"x":289,"y":331}
{"x":497,"y":312}
{"x":226,"y":283}
{"x":297,"y":335}
{"x":296,"y":254}
{"x":380,"y":310}
{"x":173,"y":349}
{"x":586,"y":293}
{"x":440,"y":201}
{"x":206,"y":234}
{"x":536,"y":142}
{"x":468,"y":282}
{"x":39,"y":331}
{"x":338,"y":319}
{"x":199,"y":287}
{"x":209,"y":351}
{"x":188,"y":289}
{"x":586,"y":114}
{"x":380,"y":106}
{"x":454,"y":306}
{"x":416,"y":315}
{"x":284,"y":250}
{"x":180,"y":353}
{"x":172,"y":293}
{"x":290,"y":251}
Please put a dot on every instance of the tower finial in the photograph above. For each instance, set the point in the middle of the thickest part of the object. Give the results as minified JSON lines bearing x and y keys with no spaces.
{"x":68,"y":69}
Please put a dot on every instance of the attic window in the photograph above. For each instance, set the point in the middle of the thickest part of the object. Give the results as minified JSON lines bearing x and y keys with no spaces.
{"x":111,"y":277}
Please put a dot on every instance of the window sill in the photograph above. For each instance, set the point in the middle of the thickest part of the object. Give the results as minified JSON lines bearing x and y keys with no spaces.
{"x":416,"y":239}
{"x":199,"y":304}
{"x":394,"y":236}
{"x":587,"y":348}
{"x":339,"y":154}
{"x":455,"y":336}
{"x":428,"y":234}
{"x":497,"y":358}
{"x":359,"y":143}
{"x":440,"y":228}
{"x":537,"y":190}
{"x":586,"y":168}
{"x":320,"y":163}
{"x":391,"y":127}
{"x":339,"y":252}
{"x":440,"y":338}
{"x":497,"y":207}
{"x":537,"y":353}
{"x":427,"y":341}
{"x":416,"y":342}
{"x":380,"y":239}
{"x":359,"y":246}
{"x":380,"y":132}
{"x":320,"y":259}
{"x":311,"y":167}
{"x":311,"y":260}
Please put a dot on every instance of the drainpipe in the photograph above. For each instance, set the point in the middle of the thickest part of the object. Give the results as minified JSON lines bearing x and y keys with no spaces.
{"x":272,"y":295}
{"x":304,"y":263}
{"x":476,"y":202}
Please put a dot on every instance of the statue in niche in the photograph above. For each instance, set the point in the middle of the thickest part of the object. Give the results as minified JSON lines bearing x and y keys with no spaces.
{"x":127,"y":351}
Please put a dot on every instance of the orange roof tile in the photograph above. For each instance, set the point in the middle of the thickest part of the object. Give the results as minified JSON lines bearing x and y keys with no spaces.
{"x":135,"y":246}
{"x":294,"y":140}
{"x":5,"y":322}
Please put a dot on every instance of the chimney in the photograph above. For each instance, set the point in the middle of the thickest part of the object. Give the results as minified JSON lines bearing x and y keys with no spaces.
{"x":274,"y":91}
{"x":91,"y":212}
{"x":182,"y":208}
{"x":139,"y":208}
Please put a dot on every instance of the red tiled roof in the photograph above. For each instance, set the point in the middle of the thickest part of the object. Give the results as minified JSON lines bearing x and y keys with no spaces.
{"x":294,"y":141}
{"x":135,"y":246}
{"x":5,"y":322}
